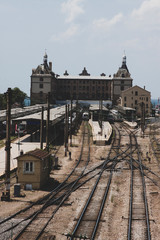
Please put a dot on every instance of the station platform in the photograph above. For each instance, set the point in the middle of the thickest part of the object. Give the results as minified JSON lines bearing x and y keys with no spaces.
{"x":101,"y":137}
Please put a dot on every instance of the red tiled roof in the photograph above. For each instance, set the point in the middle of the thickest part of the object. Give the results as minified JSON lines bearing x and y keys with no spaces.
{"x":39,"y":153}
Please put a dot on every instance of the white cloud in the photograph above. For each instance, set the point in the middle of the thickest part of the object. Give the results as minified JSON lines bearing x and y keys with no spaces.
{"x":148,"y":14}
{"x":69,"y":33}
{"x":106,"y":24}
{"x":72,"y":8}
{"x":147,"y":7}
{"x":7,"y":8}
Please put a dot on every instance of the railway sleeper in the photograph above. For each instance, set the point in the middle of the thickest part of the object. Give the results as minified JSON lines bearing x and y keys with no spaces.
{"x":89,"y":220}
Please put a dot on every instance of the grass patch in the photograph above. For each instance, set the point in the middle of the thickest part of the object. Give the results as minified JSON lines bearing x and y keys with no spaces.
{"x":112,"y":198}
{"x":2,"y":143}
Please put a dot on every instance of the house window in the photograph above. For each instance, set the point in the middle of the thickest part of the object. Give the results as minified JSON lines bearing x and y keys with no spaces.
{"x":28,"y":167}
{"x":41,"y":85}
{"x":135,"y":102}
{"x":41,"y":94}
{"x":125,"y":99}
{"x":136,"y":93}
{"x":122,"y":88}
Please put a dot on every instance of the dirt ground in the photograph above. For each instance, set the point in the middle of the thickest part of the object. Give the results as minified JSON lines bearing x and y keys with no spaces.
{"x":115,"y":216}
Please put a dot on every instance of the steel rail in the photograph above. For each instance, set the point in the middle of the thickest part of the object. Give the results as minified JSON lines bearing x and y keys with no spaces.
{"x":139,"y":162}
{"x":145,"y":196}
{"x":56,"y":190}
{"x":131,"y":194}
{"x":46,"y":203}
{"x":92,"y":193}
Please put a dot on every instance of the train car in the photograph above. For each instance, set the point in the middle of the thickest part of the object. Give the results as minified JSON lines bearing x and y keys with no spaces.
{"x":85,"y":116}
{"x":21,"y":128}
{"x":127,"y":113}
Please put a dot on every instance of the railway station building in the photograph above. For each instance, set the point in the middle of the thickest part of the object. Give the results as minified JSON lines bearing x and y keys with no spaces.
{"x":80,"y":87}
{"x":43,"y":80}
{"x":121,"y":81}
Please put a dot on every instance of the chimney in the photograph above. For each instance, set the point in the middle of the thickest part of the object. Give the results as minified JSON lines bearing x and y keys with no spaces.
{"x":21,"y":152}
{"x":144,"y":87}
{"x":50,"y":66}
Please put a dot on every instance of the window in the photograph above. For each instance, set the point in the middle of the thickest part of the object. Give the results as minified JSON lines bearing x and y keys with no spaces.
{"x":41,"y":79}
{"x":125,"y":99}
{"x":41,"y":94}
{"x":147,"y":99}
{"x":41,"y":85}
{"x":135,"y":102}
{"x":28,"y":167}
{"x":122,"y":88}
{"x":136,"y":93}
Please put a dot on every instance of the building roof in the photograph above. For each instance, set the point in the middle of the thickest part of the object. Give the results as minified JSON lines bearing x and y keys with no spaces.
{"x":38,"y":153}
{"x":136,"y":86}
{"x":67,"y":77}
{"x":94,"y":107}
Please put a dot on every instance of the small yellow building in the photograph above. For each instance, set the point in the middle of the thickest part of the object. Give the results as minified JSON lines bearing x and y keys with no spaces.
{"x":134,"y":97}
{"x":33,"y":169}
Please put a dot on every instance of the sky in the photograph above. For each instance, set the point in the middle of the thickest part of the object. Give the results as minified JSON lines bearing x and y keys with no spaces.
{"x":80,"y":33}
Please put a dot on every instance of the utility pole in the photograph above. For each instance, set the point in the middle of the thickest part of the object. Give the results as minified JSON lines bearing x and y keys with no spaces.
{"x":41,"y":129}
{"x":100,"y":115}
{"x":142,"y":117}
{"x":65,"y":132}
{"x":47,"y":123}
{"x":67,"y":125}
{"x":71,"y":125}
{"x":8,"y":143}
{"x":77,"y":114}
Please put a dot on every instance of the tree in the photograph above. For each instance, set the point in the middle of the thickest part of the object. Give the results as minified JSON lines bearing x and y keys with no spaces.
{"x":18,"y":96}
{"x":2,"y":101}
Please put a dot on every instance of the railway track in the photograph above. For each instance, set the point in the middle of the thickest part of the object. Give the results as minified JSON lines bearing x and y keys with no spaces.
{"x":90,"y":217}
{"x":32,"y":222}
{"x":58,"y":196}
{"x":138,"y":221}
